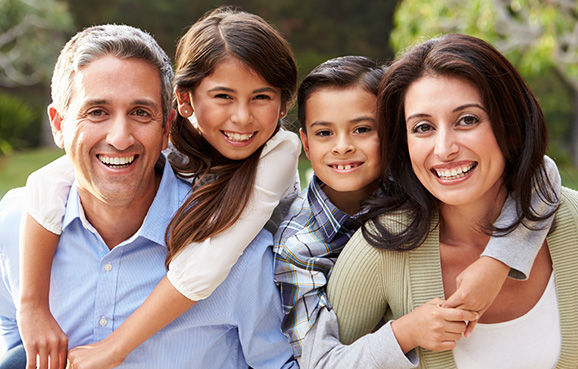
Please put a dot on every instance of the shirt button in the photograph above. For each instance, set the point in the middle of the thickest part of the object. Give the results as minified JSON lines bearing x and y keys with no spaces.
{"x":102,"y":322}
{"x":108,"y":267}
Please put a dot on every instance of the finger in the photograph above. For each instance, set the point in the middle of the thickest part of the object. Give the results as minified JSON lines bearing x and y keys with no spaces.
{"x":30,"y":358}
{"x":42,"y":359}
{"x":470,"y":328}
{"x":54,"y":358}
{"x":63,"y":356}
{"x":454,"y":315}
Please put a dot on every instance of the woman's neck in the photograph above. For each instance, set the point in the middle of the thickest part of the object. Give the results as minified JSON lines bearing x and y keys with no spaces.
{"x":465,"y":224}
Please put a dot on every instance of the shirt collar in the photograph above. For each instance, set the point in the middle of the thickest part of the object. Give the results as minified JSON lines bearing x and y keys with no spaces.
{"x":329,"y":218}
{"x":167,"y":200}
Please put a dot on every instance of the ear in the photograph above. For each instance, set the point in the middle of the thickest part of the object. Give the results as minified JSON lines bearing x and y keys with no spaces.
{"x":167,"y":128}
{"x":56,"y":126}
{"x":305,"y":142}
{"x":283,"y":112}
{"x":185,"y":101}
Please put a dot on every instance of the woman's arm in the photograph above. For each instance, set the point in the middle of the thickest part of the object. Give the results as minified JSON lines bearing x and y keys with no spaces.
{"x":46,"y":191}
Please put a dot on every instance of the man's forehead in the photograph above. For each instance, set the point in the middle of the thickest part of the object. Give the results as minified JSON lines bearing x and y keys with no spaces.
{"x":111,"y":79}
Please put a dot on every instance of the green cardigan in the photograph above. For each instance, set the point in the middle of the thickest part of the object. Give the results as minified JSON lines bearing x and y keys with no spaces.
{"x":368,"y":284}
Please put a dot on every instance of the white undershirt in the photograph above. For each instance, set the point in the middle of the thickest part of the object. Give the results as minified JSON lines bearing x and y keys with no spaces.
{"x":531,"y":341}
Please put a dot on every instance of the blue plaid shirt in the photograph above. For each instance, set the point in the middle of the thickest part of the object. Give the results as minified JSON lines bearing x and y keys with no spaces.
{"x":306,"y":246}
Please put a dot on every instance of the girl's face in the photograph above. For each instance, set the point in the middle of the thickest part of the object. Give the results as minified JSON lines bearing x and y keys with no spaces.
{"x":236,"y":109}
{"x":452,"y":146}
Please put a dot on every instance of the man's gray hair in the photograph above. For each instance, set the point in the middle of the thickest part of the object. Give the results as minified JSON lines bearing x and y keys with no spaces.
{"x":115,"y":40}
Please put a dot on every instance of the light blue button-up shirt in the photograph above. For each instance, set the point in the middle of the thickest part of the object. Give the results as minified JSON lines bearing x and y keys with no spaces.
{"x":94,"y":289}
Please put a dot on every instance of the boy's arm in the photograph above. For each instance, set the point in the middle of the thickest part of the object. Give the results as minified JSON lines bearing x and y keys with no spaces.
{"x":46,"y":195}
{"x":479,"y":284}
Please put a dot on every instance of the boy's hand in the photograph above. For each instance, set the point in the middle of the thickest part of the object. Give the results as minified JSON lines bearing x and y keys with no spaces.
{"x":431,"y":326}
{"x":45,"y":343}
{"x":477,"y":287}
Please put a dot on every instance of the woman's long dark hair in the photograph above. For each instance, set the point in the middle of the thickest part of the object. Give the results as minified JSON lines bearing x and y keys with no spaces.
{"x":216,"y":204}
{"x":517,"y":122}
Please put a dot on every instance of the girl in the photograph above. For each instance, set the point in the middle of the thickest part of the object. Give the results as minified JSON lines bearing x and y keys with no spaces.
{"x":238,"y":76}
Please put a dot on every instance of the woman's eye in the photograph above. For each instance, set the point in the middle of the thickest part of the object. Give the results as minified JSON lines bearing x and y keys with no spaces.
{"x":223,"y":96}
{"x":468,"y":120}
{"x":422,"y":128}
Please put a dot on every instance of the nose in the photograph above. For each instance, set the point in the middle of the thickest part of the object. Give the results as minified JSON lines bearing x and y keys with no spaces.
{"x":343,"y":145}
{"x":241,"y":114}
{"x":446,"y":144}
{"x":120,"y":133}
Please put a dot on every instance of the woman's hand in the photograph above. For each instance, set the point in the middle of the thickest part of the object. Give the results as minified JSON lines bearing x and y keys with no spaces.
{"x":432,"y":327}
{"x":477,"y":287}
{"x":99,"y":355}
{"x":42,"y":337}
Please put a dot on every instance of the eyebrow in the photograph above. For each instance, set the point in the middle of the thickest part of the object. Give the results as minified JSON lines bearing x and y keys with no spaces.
{"x":461,"y":107}
{"x":143,"y":102}
{"x":363,"y":118}
{"x":227,"y":89}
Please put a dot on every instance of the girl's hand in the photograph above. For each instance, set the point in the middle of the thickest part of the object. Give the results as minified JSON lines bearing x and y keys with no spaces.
{"x":45,"y":342}
{"x":432,"y":327}
{"x":99,"y":355}
{"x":477,"y":287}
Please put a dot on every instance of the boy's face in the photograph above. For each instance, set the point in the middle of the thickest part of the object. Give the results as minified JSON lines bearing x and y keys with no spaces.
{"x":342,"y":141}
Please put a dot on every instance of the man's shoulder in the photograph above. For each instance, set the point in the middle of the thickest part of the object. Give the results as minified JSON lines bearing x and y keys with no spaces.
{"x":12,"y":205}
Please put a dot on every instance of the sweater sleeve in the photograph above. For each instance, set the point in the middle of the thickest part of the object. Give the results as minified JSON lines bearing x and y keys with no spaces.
{"x":519,"y":248}
{"x":47,"y":192}
{"x":201,"y":267}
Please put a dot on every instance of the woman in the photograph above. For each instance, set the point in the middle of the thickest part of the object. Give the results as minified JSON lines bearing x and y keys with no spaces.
{"x":463,"y":133}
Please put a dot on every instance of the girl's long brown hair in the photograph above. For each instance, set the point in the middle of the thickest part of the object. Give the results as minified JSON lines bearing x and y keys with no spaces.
{"x":222,"y":186}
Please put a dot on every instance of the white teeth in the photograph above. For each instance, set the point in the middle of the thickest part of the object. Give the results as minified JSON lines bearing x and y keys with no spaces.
{"x":343,"y":167}
{"x":117,"y":161}
{"x":454,"y":173}
{"x":238,"y":136}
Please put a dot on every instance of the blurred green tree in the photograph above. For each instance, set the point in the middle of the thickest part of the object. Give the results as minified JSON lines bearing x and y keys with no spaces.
{"x":539,"y":37}
{"x":31,"y":35}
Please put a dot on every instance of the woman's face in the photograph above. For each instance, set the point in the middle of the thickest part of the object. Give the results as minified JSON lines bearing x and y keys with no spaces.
{"x":452,"y":146}
{"x":236,"y":110}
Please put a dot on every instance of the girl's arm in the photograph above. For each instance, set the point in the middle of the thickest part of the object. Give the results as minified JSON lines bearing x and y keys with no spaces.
{"x":200,"y":267}
{"x":47,"y":191}
{"x":479,"y":284}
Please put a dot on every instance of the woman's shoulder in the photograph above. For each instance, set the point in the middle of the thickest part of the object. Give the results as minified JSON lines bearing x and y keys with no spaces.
{"x":569,"y":198}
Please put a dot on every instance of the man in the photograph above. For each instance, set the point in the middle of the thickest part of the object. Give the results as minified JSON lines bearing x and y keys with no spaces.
{"x":111,"y":112}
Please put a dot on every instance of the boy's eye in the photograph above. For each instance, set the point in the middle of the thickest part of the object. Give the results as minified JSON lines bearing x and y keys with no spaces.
{"x":323,"y":133}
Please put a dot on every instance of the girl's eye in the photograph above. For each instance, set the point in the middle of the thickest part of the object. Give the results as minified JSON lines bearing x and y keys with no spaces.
{"x":262,"y":97}
{"x":362,"y":130}
{"x":323,"y":133}
{"x":223,"y":96}
{"x":422,"y":128}
{"x":469,"y":120}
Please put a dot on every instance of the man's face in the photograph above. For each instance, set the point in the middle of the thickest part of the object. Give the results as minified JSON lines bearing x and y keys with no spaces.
{"x":113,"y":129}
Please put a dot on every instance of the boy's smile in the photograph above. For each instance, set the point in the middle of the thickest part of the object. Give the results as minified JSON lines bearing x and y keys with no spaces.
{"x":342,"y":142}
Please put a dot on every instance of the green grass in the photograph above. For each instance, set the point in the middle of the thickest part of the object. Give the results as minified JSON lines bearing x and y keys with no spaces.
{"x":14,"y":169}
